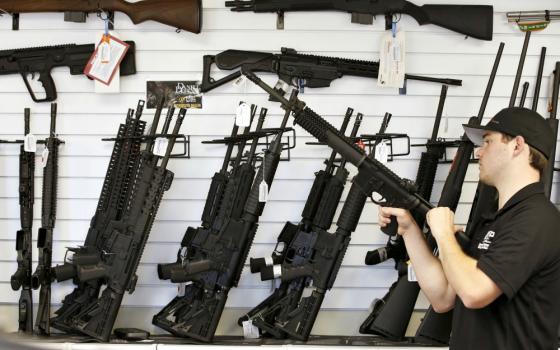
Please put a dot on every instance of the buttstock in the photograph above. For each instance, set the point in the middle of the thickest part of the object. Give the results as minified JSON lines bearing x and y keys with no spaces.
{"x":472,"y":20}
{"x":181,"y":14}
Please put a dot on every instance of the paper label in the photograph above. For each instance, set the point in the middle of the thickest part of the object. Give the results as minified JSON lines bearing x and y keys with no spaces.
{"x":181,"y":287}
{"x":263,"y":192}
{"x":30,"y":143}
{"x":392,"y":60}
{"x":382,"y":152}
{"x":250,"y":331}
{"x":160,"y":146}
{"x":44,"y":157}
{"x":411,"y":275}
{"x":243,"y":115}
{"x":101,"y":70}
{"x":241,"y":81}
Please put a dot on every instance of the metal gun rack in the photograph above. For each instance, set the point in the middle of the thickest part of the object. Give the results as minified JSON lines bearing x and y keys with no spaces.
{"x":288,"y":142}
{"x":183,"y":139}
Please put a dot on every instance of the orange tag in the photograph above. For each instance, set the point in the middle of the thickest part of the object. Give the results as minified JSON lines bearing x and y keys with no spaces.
{"x":361,"y":144}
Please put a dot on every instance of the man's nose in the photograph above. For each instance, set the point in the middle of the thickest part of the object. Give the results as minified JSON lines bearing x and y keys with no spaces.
{"x":478,"y":152}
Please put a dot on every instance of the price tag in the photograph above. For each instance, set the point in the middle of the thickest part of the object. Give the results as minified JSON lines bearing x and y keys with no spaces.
{"x":44,"y":157}
{"x":181,"y":288}
{"x":250,"y":331}
{"x":241,"y":81}
{"x":382,"y":152}
{"x":160,"y":146}
{"x":30,"y":143}
{"x":243,"y":115}
{"x":411,"y":275}
{"x":263,"y":192}
{"x":392,"y":60}
{"x":105,"y":60}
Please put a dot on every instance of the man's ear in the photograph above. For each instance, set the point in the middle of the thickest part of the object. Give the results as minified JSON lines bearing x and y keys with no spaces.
{"x":519,"y":144}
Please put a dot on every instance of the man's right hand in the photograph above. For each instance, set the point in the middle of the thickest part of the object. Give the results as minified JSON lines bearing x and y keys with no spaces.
{"x":404,"y":219}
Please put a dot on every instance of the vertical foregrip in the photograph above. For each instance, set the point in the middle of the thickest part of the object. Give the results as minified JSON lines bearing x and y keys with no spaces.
{"x":352,"y":209}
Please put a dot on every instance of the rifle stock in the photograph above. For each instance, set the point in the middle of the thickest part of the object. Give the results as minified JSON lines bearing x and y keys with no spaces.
{"x":181,"y":14}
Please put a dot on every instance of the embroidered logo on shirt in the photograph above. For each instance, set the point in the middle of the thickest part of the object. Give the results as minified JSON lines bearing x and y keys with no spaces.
{"x":486,"y":241}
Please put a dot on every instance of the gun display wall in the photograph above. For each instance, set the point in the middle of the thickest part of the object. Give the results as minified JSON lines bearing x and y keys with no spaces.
{"x":264,"y":230}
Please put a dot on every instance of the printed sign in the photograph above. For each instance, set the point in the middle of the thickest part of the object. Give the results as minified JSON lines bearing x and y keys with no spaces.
{"x":183,"y":94}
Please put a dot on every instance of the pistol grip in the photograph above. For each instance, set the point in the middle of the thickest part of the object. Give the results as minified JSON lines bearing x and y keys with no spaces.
{"x":48,"y":84}
{"x":392,"y":228}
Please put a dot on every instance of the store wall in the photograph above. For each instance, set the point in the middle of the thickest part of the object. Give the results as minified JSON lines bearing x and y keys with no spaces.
{"x":162,"y":54}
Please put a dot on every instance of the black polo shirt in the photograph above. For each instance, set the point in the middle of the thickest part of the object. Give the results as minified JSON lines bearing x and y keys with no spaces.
{"x":519,"y":249}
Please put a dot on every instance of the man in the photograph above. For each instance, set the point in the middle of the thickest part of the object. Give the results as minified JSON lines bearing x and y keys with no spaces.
{"x":505,"y":286}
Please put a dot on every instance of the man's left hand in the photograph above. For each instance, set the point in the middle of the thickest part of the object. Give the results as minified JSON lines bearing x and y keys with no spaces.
{"x":441,"y":222}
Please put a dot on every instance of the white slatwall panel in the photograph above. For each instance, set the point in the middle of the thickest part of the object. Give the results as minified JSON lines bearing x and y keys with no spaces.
{"x":84,"y":118}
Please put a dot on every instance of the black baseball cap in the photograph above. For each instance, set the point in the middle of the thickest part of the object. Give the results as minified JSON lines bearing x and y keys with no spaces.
{"x":517,"y":121}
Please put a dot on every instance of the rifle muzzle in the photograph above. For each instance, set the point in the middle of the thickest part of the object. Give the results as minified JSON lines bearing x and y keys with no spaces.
{"x":185,"y":273}
{"x":64,"y":272}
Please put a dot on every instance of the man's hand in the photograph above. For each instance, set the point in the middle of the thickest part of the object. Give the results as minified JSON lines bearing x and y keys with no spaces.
{"x":441,"y":222}
{"x":404,"y":219}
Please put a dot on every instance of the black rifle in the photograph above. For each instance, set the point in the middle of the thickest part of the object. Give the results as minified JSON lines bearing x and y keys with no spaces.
{"x":301,"y":246}
{"x":24,"y":245}
{"x":298,"y":70}
{"x":41,"y":60}
{"x":384,"y":320}
{"x":436,"y":327}
{"x":215,"y":256}
{"x":472,"y":20}
{"x":553,"y":122}
{"x":42,"y":277}
{"x":126,"y":151}
{"x":129,"y":232}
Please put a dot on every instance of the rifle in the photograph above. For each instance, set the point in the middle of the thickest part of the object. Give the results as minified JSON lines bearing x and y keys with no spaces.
{"x":43,"y":276}
{"x":389,"y":319}
{"x":472,"y":20}
{"x":214,"y":257}
{"x":24,"y":245}
{"x":182,"y":14}
{"x":296,"y":248}
{"x":298,"y":70}
{"x":553,"y":122}
{"x":128,"y":233}
{"x":125,"y":154}
{"x":41,"y":60}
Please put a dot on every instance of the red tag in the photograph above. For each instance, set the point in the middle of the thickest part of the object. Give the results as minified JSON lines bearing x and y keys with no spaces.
{"x":361,"y":144}
{"x":102,"y":71}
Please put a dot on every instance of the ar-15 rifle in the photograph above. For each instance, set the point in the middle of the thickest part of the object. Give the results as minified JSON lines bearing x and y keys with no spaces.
{"x":42,"y":277}
{"x":472,"y":20}
{"x":125,"y":154}
{"x":122,"y":241}
{"x":298,"y":70}
{"x":182,"y":14}
{"x":213,"y":259}
{"x":41,"y":60}
{"x":384,"y":321}
{"x":301,"y":246}
{"x":24,"y":243}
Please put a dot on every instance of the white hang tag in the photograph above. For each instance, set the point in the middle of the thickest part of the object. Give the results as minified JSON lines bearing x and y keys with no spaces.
{"x":241,"y":81}
{"x":250,"y":331}
{"x":411,"y":275}
{"x":382,"y":152}
{"x":44,"y":157}
{"x":103,"y":64}
{"x":160,"y":146}
{"x":181,"y":287}
{"x":243,"y":115}
{"x":263,"y":192}
{"x":392,"y":60}
{"x":30,"y":143}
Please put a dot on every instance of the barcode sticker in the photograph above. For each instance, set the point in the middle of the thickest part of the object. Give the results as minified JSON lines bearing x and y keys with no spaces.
{"x":250,"y":331}
{"x":382,"y":152}
{"x":44,"y":157}
{"x":160,"y":146}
